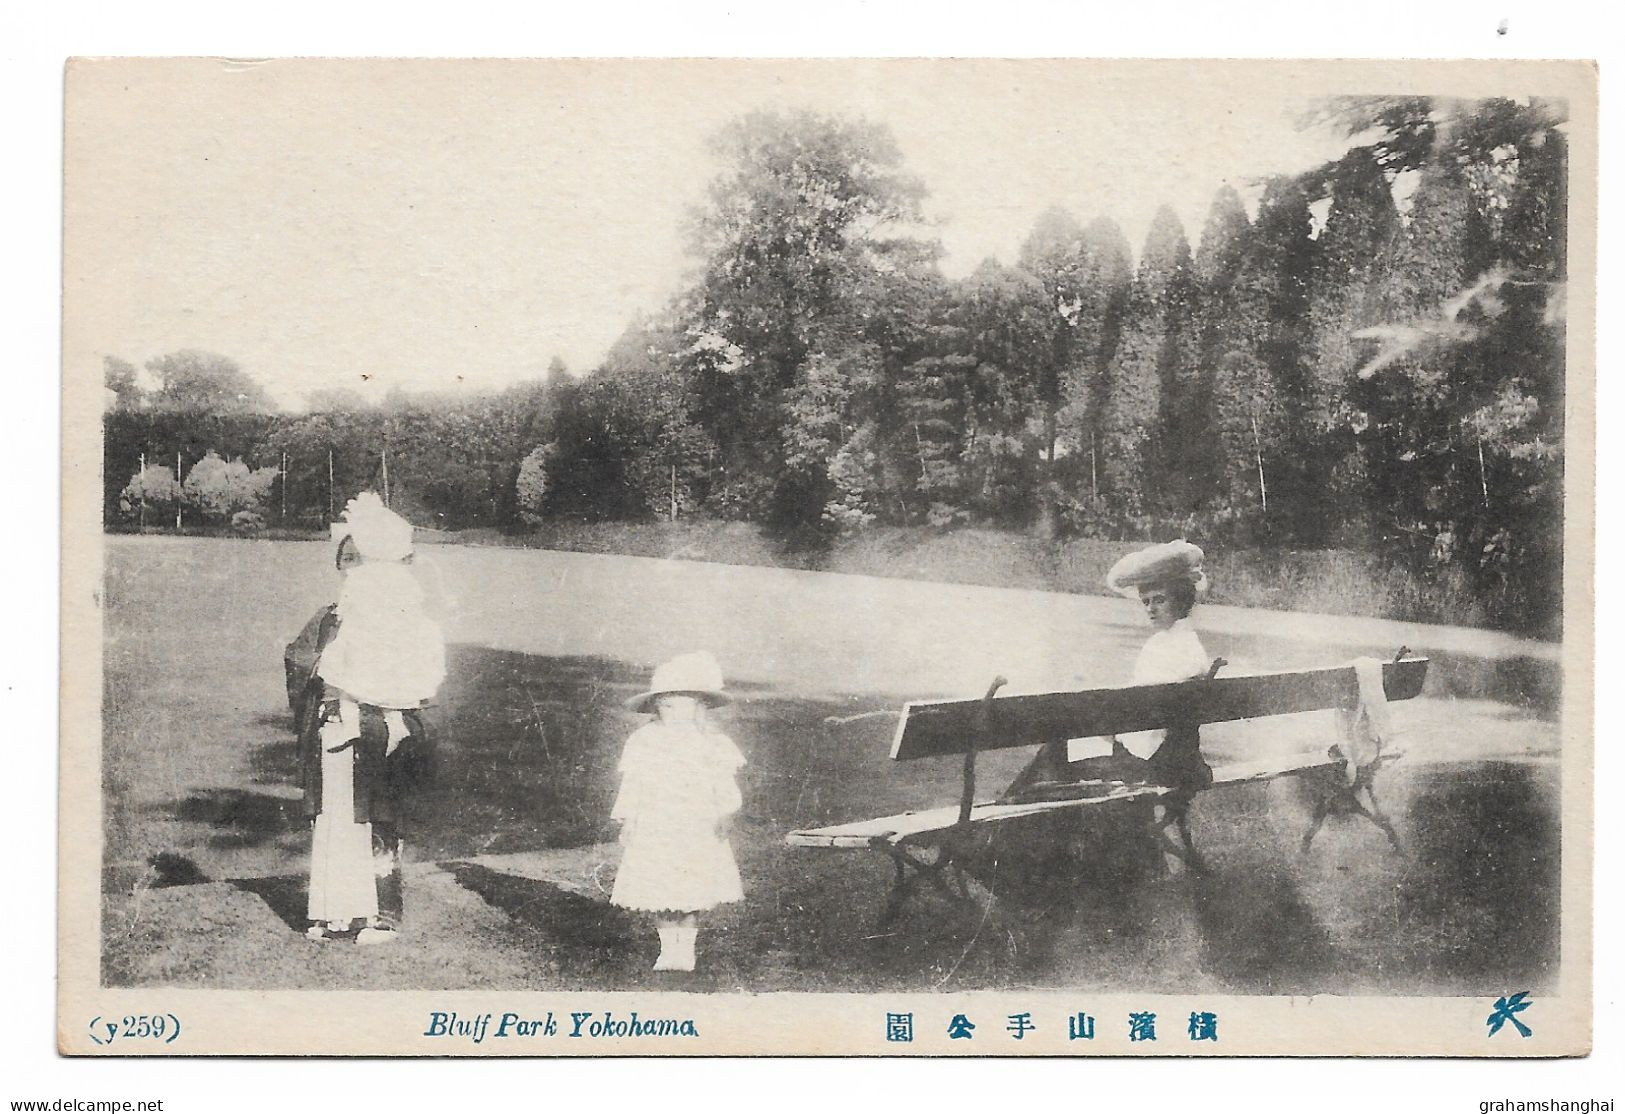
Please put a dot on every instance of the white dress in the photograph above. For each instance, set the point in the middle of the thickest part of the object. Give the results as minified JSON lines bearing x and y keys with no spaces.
{"x":677,"y":782}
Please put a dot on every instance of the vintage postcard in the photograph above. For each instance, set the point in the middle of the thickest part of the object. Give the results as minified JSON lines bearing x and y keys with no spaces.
{"x":897,"y":557}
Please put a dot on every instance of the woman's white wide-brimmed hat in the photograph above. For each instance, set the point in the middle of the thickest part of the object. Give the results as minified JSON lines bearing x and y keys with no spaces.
{"x":1178,"y":560}
{"x":697,"y":675}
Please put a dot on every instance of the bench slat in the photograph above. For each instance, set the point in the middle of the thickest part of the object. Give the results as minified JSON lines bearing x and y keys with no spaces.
{"x":907,"y":825}
{"x":911,"y":825}
{"x":930,"y":729}
{"x":1237,"y":773}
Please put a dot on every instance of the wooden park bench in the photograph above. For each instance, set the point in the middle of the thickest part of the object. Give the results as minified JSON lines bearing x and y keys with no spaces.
{"x":933,"y":844}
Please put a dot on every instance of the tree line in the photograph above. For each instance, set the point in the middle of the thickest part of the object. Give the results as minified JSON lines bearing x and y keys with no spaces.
{"x":1374,"y":358}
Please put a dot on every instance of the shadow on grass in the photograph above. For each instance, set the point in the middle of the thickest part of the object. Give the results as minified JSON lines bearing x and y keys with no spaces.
{"x":170,"y":869}
{"x":287,"y":896}
{"x":527,"y":749}
{"x":276,"y":763}
{"x":237,"y":818}
{"x":1260,"y":935}
{"x":1486,"y":851}
{"x":586,"y":937}
{"x":526,"y":755}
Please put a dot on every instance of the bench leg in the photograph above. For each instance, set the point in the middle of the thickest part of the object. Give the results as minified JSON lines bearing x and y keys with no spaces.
{"x":1178,"y":816}
{"x":912,"y":869}
{"x":1347,"y":799}
{"x":1193,"y":857}
{"x":903,"y":882}
{"x":1323,"y":809}
{"x":1379,"y":818}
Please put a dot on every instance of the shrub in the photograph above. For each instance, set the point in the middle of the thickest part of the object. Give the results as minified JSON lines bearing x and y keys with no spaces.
{"x":153,"y":488}
{"x":530,"y":489}
{"x":217,"y":489}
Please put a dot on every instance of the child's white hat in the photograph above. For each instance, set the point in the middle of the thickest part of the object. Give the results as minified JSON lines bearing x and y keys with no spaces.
{"x":378,"y":532}
{"x":697,"y":675}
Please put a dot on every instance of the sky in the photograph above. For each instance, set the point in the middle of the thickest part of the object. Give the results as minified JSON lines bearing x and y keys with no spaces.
{"x":436,"y":225}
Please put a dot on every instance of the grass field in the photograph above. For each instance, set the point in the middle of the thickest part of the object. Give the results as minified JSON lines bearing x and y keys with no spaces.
{"x":1329,"y":581}
{"x":204,"y":850}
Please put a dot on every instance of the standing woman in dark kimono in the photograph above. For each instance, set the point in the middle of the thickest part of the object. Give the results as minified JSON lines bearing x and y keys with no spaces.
{"x":358,"y":677}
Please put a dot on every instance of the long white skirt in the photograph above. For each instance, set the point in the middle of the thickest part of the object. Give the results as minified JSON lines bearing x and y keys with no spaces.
{"x":342,"y":886}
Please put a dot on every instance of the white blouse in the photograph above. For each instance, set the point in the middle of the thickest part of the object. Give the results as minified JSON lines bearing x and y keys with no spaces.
{"x":1175,"y":654}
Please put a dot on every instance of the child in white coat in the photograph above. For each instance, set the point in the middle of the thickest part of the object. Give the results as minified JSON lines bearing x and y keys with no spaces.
{"x":678,"y":797}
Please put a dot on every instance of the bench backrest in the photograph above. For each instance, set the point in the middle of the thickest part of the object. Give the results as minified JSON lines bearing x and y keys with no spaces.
{"x":931,"y":729}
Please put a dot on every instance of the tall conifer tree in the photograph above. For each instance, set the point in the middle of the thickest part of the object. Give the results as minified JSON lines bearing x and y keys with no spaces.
{"x":1361,"y":224}
{"x":1156,"y":341}
{"x":1103,"y":287}
{"x":1224,"y":242}
{"x":1260,"y":393}
{"x":1053,"y":253}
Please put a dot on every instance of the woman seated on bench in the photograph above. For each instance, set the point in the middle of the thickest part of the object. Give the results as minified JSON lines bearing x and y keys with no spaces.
{"x":1167,"y":579}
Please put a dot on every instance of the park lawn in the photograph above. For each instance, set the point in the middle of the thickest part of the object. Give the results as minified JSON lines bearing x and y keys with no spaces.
{"x":205,"y":843}
{"x":1334,"y":581}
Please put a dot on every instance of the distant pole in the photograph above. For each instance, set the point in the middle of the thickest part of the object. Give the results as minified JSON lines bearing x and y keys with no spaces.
{"x":1483,"y":481}
{"x":386,"y":474}
{"x":141,"y":515}
{"x":674,"y":492}
{"x":177,"y":489}
{"x":284,"y":485}
{"x":1094,"y":478}
{"x":1258,"y":454}
{"x":330,"y":485}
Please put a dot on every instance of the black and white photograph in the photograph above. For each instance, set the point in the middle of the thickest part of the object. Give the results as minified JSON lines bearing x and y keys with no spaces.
{"x":907,"y":557}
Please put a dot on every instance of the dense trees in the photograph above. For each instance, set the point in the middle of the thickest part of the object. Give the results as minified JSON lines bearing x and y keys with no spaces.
{"x":1458,"y":411}
{"x":450,"y":461}
{"x":806,"y":234}
{"x":119,"y":378}
{"x":194,"y":380}
{"x":530,"y":486}
{"x":1390,"y":376}
{"x":218,"y":489}
{"x":215,"y":492}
